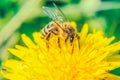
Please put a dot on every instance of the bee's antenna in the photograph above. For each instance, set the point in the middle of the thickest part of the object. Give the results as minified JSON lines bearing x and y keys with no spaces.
{"x":60,"y":11}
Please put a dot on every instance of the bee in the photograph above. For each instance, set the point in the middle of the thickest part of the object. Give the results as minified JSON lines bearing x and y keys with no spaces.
{"x":58,"y":26}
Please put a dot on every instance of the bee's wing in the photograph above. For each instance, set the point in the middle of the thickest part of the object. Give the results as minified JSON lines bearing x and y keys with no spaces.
{"x":55,"y":14}
{"x":50,"y":12}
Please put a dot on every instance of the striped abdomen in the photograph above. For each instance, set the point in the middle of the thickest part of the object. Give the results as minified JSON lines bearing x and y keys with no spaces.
{"x":46,"y":30}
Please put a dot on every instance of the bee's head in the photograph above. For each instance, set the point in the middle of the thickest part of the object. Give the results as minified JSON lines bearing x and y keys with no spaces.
{"x":69,"y":28}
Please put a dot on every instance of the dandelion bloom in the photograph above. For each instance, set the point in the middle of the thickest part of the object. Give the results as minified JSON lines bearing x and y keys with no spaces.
{"x":93,"y":61}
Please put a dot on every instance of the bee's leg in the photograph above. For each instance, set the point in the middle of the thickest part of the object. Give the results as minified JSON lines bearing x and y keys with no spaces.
{"x":66,"y":38}
{"x":58,"y":39}
{"x":59,"y":42}
{"x":78,"y":37}
{"x":56,"y":32}
{"x":47,"y":39}
{"x":59,"y":45}
{"x":72,"y":49}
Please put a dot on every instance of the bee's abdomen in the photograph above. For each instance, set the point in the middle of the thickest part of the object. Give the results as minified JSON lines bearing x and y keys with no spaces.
{"x":46,"y":30}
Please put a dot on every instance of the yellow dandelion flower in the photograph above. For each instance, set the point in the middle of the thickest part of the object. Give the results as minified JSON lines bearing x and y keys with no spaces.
{"x":93,"y":61}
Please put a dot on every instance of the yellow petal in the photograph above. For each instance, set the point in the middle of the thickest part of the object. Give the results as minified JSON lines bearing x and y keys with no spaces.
{"x":83,"y":34}
{"x":28,"y":42}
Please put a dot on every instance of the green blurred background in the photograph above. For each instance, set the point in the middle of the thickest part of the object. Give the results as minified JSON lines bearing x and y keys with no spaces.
{"x":26,"y":16}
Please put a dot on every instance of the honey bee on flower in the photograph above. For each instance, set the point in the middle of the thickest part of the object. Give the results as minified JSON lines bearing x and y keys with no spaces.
{"x":58,"y":26}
